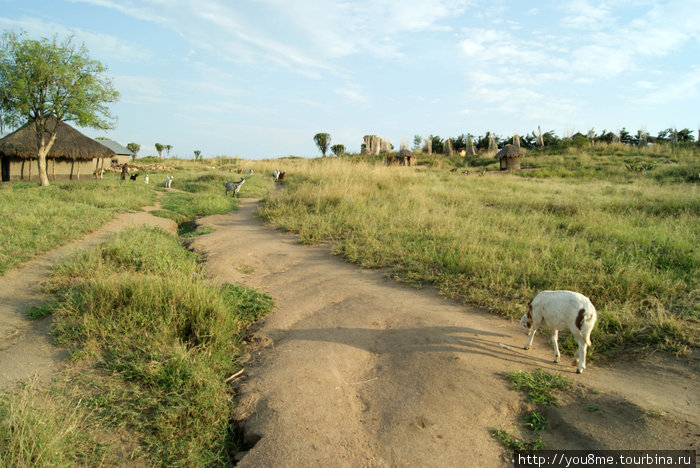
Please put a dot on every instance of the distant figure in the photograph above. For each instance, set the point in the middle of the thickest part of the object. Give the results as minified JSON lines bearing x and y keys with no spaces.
{"x":134,"y":176}
{"x":125,"y":171}
{"x":145,"y":179}
{"x":168,"y":180}
{"x":239,"y":170}
{"x":281,"y":176}
{"x":250,"y":171}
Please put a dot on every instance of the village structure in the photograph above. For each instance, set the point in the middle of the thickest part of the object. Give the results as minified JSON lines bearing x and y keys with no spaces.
{"x":71,"y":154}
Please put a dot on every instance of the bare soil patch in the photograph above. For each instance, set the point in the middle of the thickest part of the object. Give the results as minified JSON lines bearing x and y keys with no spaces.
{"x":352,"y":369}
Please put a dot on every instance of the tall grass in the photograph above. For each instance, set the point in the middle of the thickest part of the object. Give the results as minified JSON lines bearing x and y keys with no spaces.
{"x":153,"y":344}
{"x":497,"y":240}
{"x":36,"y":219}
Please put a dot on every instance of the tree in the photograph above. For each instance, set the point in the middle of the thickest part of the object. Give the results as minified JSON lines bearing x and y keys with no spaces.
{"x":44,"y":82}
{"x":160,"y":147}
{"x":322,"y":141}
{"x":197,"y":155}
{"x":134,"y":148}
{"x":167,"y":149}
{"x":417,"y":142}
{"x":338,"y":150}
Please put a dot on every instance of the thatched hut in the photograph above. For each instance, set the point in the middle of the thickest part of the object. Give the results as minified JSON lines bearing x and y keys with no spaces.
{"x":18,"y":152}
{"x":405,"y":157}
{"x":509,"y":157}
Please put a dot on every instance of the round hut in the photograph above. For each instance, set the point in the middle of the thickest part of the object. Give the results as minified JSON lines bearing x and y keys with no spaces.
{"x":509,"y":157}
{"x":70,"y":151}
{"x":405,"y":157}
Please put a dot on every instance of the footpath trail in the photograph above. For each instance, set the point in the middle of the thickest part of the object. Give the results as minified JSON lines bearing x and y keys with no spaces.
{"x":26,"y":350}
{"x":352,"y":369}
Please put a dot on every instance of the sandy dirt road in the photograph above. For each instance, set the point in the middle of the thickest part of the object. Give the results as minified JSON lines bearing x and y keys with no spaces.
{"x":352,"y":369}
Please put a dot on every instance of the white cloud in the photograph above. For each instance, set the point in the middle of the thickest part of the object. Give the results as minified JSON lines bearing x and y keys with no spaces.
{"x":98,"y":44}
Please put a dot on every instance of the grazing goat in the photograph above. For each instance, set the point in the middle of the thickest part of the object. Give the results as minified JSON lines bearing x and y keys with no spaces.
{"x":133,"y":176}
{"x":145,"y":179}
{"x":249,"y":172}
{"x":560,"y":310}
{"x":168,"y":181}
{"x":276,"y":175}
{"x":281,"y":176}
{"x":234,"y":187}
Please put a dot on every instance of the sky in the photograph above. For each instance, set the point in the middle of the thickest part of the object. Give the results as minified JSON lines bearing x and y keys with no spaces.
{"x":259,"y":78}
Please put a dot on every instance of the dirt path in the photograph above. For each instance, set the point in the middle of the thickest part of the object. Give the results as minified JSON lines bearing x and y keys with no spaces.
{"x":352,"y":369}
{"x":25,"y":345}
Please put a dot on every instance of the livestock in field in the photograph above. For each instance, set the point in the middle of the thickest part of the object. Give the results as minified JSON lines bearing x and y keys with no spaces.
{"x":560,"y":310}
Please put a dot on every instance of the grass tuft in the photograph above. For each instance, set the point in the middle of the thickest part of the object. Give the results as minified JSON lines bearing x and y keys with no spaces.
{"x":539,"y":385}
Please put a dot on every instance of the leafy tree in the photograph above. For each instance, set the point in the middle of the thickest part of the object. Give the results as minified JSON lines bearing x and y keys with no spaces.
{"x":44,"y":82}
{"x":625,"y":136}
{"x":134,"y":148}
{"x":338,"y":150}
{"x":437,"y":143}
{"x":417,"y":141}
{"x":197,"y":155}
{"x":685,"y":136}
{"x":167,"y":149}
{"x":323,"y":140}
{"x":160,"y":147}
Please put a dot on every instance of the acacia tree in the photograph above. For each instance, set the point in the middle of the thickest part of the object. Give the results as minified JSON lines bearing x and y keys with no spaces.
{"x":167,"y":150}
{"x":134,"y":148}
{"x":338,"y":150}
{"x":197,"y":155}
{"x":44,"y":82}
{"x":323,"y":140}
{"x":160,"y":147}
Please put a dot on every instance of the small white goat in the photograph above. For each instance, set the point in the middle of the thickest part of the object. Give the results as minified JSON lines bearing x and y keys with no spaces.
{"x":560,"y":310}
{"x":145,"y":179}
{"x":276,"y":175}
{"x":168,"y":181}
{"x":234,"y":187}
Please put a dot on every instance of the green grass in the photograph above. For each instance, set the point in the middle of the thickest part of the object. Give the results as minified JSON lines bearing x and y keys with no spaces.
{"x":515,"y":444}
{"x":37,"y":219}
{"x":205,"y":194}
{"x":40,"y":311}
{"x":153,"y":344}
{"x":539,"y":385}
{"x":625,"y":241}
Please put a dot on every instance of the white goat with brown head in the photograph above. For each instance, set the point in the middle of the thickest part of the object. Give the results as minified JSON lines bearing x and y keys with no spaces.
{"x":560,"y":310}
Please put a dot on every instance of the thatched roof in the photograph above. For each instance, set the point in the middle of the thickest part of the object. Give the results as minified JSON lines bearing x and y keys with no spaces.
{"x":405,"y":153}
{"x":69,"y":144}
{"x":509,"y":151}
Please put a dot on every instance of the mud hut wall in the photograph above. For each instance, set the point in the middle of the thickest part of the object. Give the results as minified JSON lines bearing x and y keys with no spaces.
{"x":62,"y":167}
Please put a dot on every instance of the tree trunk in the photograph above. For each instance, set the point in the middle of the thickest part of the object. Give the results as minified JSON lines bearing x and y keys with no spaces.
{"x":97,"y":167}
{"x":72,"y":165}
{"x":21,"y":171}
{"x":102,"y":168}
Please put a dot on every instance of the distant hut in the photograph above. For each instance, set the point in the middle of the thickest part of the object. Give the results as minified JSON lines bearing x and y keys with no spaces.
{"x":121,"y":154}
{"x":405,"y":157}
{"x":509,"y":158}
{"x":18,"y":152}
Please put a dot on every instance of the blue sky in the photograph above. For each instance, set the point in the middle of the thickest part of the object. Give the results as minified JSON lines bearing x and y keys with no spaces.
{"x":258,"y":79}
